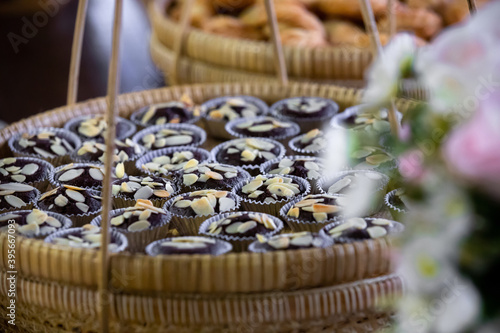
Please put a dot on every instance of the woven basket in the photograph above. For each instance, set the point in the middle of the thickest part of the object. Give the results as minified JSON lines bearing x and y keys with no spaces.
{"x":55,"y":282}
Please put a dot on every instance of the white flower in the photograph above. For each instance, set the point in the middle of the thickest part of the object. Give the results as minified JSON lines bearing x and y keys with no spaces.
{"x":388,"y":69}
{"x":336,"y":156}
{"x":459,"y":310}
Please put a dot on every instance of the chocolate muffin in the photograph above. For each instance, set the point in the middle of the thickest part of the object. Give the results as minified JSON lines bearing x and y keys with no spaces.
{"x":359,"y":229}
{"x":229,"y":108}
{"x":248,"y":153}
{"x":264,"y":127}
{"x":131,"y":188}
{"x":293,"y":241}
{"x":166,"y":161}
{"x":188,"y":245}
{"x":349,"y":181}
{"x":28,"y":170}
{"x":170,"y":135}
{"x":85,"y":175}
{"x":92,"y":151}
{"x":306,"y":167}
{"x":211,"y":176}
{"x":14,"y":196}
{"x":93,"y":128}
{"x":311,"y":143}
{"x":33,"y":223}
{"x":87,"y":237}
{"x":173,"y":112}
{"x":72,"y":201}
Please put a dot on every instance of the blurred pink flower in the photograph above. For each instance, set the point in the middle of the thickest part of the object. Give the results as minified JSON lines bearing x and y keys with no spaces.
{"x":411,"y":165}
{"x":473,"y":149}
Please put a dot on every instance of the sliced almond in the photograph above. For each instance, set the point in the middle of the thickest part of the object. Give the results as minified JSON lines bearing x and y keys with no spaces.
{"x":70,"y":175}
{"x":161,"y":193}
{"x":189,"y":179}
{"x":190,"y":164}
{"x":183,"y":203}
{"x":339,"y":185}
{"x":202,"y":207}
{"x":214,"y":175}
{"x":58,"y":149}
{"x":144,"y":192}
{"x":244,"y":227}
{"x":232,"y":228}
{"x":120,"y":170}
{"x":261,"y":128}
{"x":139,"y":225}
{"x":279,"y":242}
{"x":30,"y":169}
{"x":378,"y":159}
{"x":145,"y":214}
{"x":18,"y":178}
{"x":75,"y":195}
{"x":16,"y":187}
{"x":220,"y":194}
{"x":83,"y":207}
{"x":178,"y":140}
{"x":320,"y":217}
{"x":294,"y":212}
{"x":328,"y":209}
{"x":61,"y":200}
{"x":226,"y":204}
{"x":252,"y":186}
{"x":376,"y":232}
{"x":14,"y":201}
{"x":96,"y":174}
{"x":43,"y":153}
{"x":9,"y":160}
{"x":53,"y":222}
{"x":48,"y":194}
{"x":248,"y":156}
{"x":29,"y":230}
{"x":381,"y":222}
{"x":36,"y":216}
{"x":302,"y":241}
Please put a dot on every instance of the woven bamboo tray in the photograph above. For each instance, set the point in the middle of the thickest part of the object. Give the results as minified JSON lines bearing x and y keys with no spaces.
{"x":142,"y":288}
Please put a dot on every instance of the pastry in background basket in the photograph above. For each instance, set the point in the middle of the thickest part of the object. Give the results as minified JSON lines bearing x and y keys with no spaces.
{"x":202,"y":10}
{"x":229,"y":26}
{"x":349,"y":8}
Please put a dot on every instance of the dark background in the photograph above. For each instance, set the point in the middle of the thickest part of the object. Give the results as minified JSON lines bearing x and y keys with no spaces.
{"x":35,"y":78}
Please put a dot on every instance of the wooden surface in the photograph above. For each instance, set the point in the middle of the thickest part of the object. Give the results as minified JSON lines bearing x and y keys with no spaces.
{"x":34,"y":78}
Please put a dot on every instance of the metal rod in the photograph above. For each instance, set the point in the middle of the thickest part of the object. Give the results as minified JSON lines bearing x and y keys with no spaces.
{"x":472,"y":6}
{"x":76,"y":53}
{"x":111,"y":113}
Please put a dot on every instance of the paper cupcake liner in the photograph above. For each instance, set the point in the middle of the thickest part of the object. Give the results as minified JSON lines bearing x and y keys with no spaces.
{"x":240,"y":244}
{"x":116,"y":237}
{"x":258,"y":247}
{"x":313,"y":182}
{"x":306,"y":124}
{"x":137,"y":240}
{"x":148,"y":157}
{"x":253,"y":169}
{"x":129,"y":164}
{"x":42,"y":183}
{"x":378,"y":193}
{"x":80,"y":219}
{"x":292,"y":131}
{"x":337,"y":121}
{"x":216,"y":127}
{"x":29,"y":205}
{"x":292,"y":144}
{"x":242,"y":175}
{"x":396,"y":213}
{"x":129,"y":126}
{"x":154,"y":129}
{"x":271,"y":208}
{"x":298,"y":225}
{"x":53,"y":183}
{"x":189,"y":225}
{"x":137,"y":115}
{"x":73,"y":139}
{"x":121,"y":201}
{"x":395,"y":229}
{"x":221,"y":247}
{"x":66,"y":222}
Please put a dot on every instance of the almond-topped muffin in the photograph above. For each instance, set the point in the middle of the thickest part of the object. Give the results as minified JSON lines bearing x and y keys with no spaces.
{"x":240,"y":228}
{"x":173,"y":112}
{"x":311,"y":143}
{"x":188,"y":245}
{"x":72,"y":201}
{"x":311,"y":212}
{"x":164,"y":162}
{"x":28,"y":170}
{"x":141,"y":223}
{"x":306,"y":167}
{"x":170,"y":135}
{"x":348,"y":181}
{"x":372,"y":158}
{"x":211,"y":176}
{"x":92,"y":151}
{"x":14,"y":196}
{"x":308,"y":112}
{"x":87,"y":237}
{"x":359,"y":228}
{"x":131,"y":188}
{"x":190,"y":209}
{"x":229,"y":108}
{"x":265,"y":127}
{"x":51,"y":144}
{"x":85,"y":175}
{"x":248,"y":153}
{"x":34,"y":223}
{"x":94,"y":128}
{"x":293,"y":241}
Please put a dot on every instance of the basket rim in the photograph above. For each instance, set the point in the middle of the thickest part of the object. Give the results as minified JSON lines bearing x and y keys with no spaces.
{"x":127,"y":103}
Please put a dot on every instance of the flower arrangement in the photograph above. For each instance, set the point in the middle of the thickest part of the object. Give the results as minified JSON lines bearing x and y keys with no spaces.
{"x":448,"y":164}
